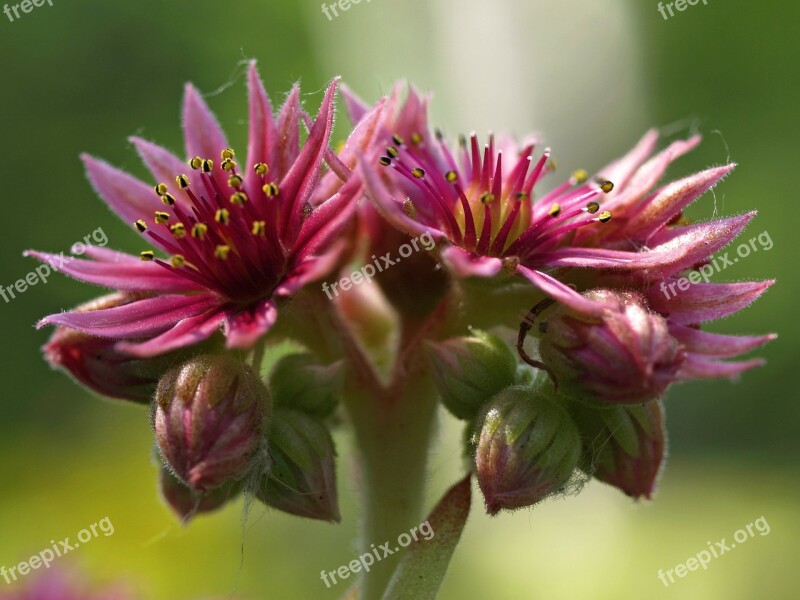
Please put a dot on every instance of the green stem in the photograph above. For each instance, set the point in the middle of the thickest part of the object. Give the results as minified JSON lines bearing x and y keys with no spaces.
{"x":393,"y":431}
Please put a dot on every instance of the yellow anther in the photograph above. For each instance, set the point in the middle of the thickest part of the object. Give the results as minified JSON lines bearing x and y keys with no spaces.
{"x":196,"y":162}
{"x":140,"y":225}
{"x":385,"y":161}
{"x":147,"y":255}
{"x":161,"y":189}
{"x":222,"y":252}
{"x":259,"y":227}
{"x":419,"y":173}
{"x":416,"y":139}
{"x":487,"y":198}
{"x":261,"y":168}
{"x":228,"y":154}
{"x":580,"y":176}
{"x":199,"y":230}
{"x":222,"y":216}
{"x":161,"y":217}
{"x":238,"y":198}
{"x":398,"y":141}
{"x":555,"y":210}
{"x":228,"y":165}
{"x":208,"y":165}
{"x":606,"y":186}
{"x":177,"y":260}
{"x":183,"y":181}
{"x":552,"y":165}
{"x":522,"y":196}
{"x":604,"y":217}
{"x":178,"y":230}
{"x":451,"y":176}
{"x":168,"y":199}
{"x":271,"y":189}
{"x":592,"y":207}
{"x":235,"y":181}
{"x":392,"y":151}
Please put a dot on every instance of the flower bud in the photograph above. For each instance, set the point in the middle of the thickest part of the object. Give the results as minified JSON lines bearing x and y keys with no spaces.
{"x":302,"y":478}
{"x":625,"y":356}
{"x":187,"y":503}
{"x":624,"y":446}
{"x":209,"y":419}
{"x":527,"y":449}
{"x":299,"y":381}
{"x":95,"y":362}
{"x":468,"y":371}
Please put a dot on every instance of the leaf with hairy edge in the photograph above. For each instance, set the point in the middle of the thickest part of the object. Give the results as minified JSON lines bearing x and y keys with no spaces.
{"x":421,"y":571}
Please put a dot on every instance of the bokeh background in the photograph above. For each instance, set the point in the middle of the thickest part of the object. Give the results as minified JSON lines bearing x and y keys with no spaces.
{"x":591,"y":77}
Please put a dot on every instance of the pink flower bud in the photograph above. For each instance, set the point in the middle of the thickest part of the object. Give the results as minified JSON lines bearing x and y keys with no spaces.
{"x":624,"y":356}
{"x":209,"y":419}
{"x":302,"y":480}
{"x":625,"y":446}
{"x":527,"y":449}
{"x":97,"y":364}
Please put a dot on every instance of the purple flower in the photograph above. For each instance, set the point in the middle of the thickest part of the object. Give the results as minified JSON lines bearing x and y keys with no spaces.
{"x":237,"y":238}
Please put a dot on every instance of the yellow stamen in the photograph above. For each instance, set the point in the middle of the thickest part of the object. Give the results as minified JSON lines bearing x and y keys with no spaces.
{"x":227,"y":154}
{"x":451,"y":176}
{"x":259,"y":228}
{"x":593,"y":207}
{"x":196,"y":162}
{"x":147,"y":255}
{"x":238,"y":198}
{"x":261,"y":168}
{"x":208,"y":165}
{"x":178,"y":230}
{"x":177,"y":260}
{"x":235,"y":181}
{"x":271,"y":189}
{"x":604,"y":217}
{"x":161,"y":189}
{"x":222,"y":216}
{"x":222,"y":252}
{"x":140,"y":225}
{"x":418,"y":173}
{"x":555,"y":210}
{"x":199,"y":230}
{"x":168,"y":199}
{"x":580,"y":176}
{"x":161,"y":217}
{"x":183,"y":181}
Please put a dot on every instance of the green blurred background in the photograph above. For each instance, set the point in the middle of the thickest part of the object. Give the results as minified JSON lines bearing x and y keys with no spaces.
{"x":82,"y":76}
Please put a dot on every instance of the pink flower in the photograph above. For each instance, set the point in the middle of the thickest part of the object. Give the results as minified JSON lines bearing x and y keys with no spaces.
{"x":238,"y":238}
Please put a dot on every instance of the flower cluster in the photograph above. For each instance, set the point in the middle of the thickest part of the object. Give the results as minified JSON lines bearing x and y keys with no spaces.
{"x":233,"y":248}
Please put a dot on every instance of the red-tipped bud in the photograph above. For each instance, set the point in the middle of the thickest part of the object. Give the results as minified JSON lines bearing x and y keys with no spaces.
{"x":302,"y":479}
{"x":187,"y":503}
{"x":625,"y":356}
{"x":299,"y":381}
{"x":527,"y":449}
{"x":468,"y":371}
{"x":624,"y":446}
{"x":209,"y":419}
{"x":95,"y":363}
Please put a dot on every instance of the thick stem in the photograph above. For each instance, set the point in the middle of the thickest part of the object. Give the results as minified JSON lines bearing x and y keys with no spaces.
{"x":394,"y":433}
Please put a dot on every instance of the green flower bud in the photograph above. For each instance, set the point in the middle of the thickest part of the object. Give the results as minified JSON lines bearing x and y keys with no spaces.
{"x":299,"y":381}
{"x":468,"y":371}
{"x":302,"y":478}
{"x":527,"y":448}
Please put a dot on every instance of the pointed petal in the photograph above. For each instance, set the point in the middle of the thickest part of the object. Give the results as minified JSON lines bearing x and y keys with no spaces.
{"x":311,"y":269}
{"x":560,"y":291}
{"x":715,"y":344}
{"x":702,"y":302}
{"x":467,"y":264}
{"x":621,"y":170}
{"x":356,"y":108}
{"x":125,"y":195}
{"x":263,"y":139}
{"x":164,"y":166}
{"x":388,"y":207}
{"x":669,"y":201}
{"x":122,"y":275}
{"x":328,"y":219}
{"x":679,"y":249}
{"x":186,"y":332}
{"x":288,"y":133}
{"x":142,"y":318}
{"x":300,"y":180}
{"x":697,"y":367}
{"x":244,"y":328}
{"x":204,"y":136}
{"x":108,"y":255}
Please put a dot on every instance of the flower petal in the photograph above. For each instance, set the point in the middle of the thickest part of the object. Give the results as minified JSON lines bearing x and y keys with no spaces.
{"x":244,"y":328}
{"x":715,"y":344}
{"x":125,"y":195}
{"x":164,"y":166}
{"x":263,"y":140}
{"x":702,"y":302}
{"x":560,"y":291}
{"x":328,"y":219}
{"x":288,"y":133}
{"x":142,"y":318}
{"x":204,"y":136}
{"x":466,"y":264}
{"x":356,"y":108}
{"x":621,"y":170}
{"x":122,"y":275}
{"x":186,"y":332}
{"x":697,"y":367}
